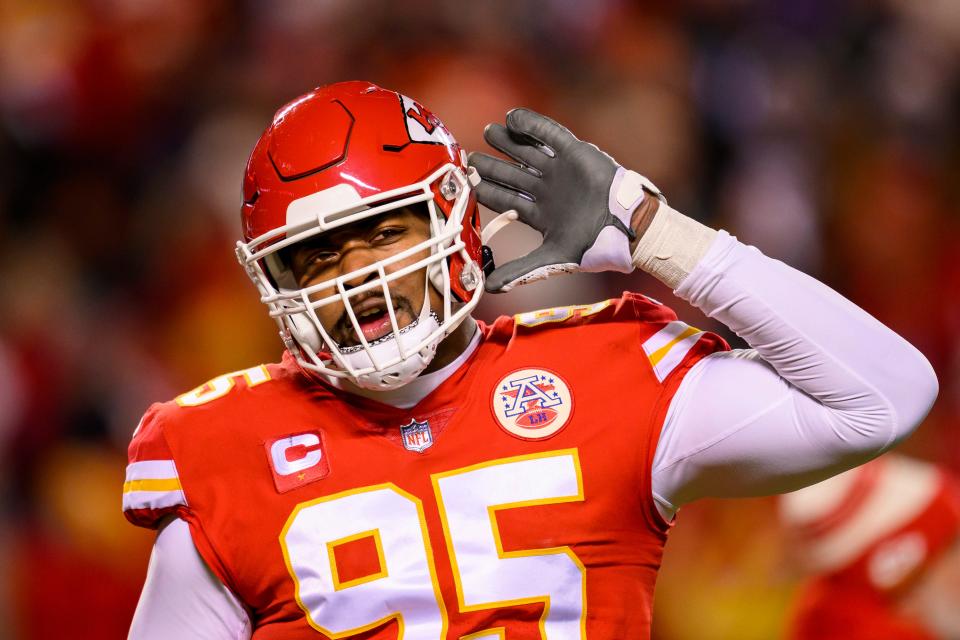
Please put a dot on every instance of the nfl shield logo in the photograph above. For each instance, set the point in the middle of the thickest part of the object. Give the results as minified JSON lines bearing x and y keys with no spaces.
{"x":416,"y":436}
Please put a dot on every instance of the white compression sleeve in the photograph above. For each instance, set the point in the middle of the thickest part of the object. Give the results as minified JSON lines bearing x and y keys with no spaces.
{"x":826,"y":386}
{"x":182,"y":598}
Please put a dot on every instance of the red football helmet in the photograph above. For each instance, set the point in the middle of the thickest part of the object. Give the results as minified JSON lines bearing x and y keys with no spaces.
{"x":332,"y":157}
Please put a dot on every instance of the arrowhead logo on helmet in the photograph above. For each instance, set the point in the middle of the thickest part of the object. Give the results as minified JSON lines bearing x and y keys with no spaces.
{"x":413,"y":114}
{"x":337,"y":155}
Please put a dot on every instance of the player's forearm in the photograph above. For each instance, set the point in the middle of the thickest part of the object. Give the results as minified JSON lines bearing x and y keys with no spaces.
{"x":840,"y":355}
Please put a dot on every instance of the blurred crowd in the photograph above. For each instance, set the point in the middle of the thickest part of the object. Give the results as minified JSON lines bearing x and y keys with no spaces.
{"x":823,"y":132}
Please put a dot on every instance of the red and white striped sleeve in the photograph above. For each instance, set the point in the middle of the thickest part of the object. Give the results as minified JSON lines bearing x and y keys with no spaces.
{"x":151,"y":489}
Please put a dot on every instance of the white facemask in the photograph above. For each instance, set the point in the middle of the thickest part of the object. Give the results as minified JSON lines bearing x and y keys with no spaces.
{"x":404,"y":352}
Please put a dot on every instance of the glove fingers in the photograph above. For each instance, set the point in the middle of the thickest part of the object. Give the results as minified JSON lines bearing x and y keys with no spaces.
{"x":504,"y":173}
{"x":524,"y":122}
{"x":536,"y":265}
{"x":500,"y":139}
{"x":499,"y":199}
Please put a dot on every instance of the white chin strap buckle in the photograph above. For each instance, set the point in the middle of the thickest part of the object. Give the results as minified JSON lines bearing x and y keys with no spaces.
{"x":497,"y":225}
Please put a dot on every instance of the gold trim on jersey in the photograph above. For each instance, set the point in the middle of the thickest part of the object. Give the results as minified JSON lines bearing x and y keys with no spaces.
{"x":331,"y":553}
{"x":559,"y":314}
{"x":667,"y":348}
{"x":492,"y":515}
{"x":496,"y":632}
{"x":152,"y":484}
{"x":398,"y":616}
{"x":221,"y":386}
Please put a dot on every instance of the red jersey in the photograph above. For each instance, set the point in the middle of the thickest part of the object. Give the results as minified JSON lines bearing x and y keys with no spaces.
{"x":514,"y":501}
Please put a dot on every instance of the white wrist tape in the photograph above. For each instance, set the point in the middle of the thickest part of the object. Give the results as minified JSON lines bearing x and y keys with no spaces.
{"x":672,"y":246}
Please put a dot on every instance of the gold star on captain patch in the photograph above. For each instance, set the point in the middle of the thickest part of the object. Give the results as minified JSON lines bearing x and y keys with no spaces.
{"x":301,"y":476}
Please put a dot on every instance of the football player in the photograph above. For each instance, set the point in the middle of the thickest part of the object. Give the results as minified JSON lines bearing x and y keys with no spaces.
{"x":881,"y":545}
{"x":409,"y":472}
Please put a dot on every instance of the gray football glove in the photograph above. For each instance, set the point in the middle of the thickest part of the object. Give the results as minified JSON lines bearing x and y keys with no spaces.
{"x":577,"y":196}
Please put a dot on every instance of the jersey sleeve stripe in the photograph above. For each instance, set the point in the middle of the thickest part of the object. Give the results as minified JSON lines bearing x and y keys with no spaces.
{"x":152,"y":470}
{"x":152,"y":484}
{"x":667,"y":348}
{"x":152,"y":499}
{"x":171,"y":484}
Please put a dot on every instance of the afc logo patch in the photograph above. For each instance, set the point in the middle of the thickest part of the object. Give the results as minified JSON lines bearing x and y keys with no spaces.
{"x":532,"y":404}
{"x":297,"y":459}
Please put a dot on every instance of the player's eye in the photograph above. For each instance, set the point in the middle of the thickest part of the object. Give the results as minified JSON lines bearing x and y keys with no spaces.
{"x":315,"y":262}
{"x":321,"y":258}
{"x":386,"y":235}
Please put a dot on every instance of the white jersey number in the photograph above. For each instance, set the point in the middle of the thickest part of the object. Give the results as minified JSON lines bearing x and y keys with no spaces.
{"x":221,"y":386}
{"x":406,"y":588}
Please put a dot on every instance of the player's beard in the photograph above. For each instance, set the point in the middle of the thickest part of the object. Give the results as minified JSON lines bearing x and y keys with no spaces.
{"x":345,"y":335}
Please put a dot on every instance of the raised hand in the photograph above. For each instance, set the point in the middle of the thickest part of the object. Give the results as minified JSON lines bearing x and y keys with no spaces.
{"x":577,"y":196}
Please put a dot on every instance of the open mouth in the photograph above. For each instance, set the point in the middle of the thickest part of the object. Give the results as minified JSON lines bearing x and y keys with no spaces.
{"x":387,"y":335}
{"x":377,"y":329}
{"x":373,"y":319}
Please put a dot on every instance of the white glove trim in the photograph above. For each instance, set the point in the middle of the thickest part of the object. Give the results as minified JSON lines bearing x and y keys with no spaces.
{"x":630,"y":191}
{"x":542,"y":273}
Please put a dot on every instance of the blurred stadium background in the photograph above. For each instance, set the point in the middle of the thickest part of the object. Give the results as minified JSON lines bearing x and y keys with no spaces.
{"x":823,"y":132}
